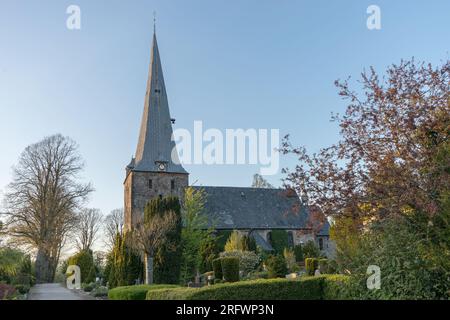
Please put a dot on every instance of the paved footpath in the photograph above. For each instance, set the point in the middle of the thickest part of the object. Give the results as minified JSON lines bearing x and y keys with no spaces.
{"x":54,"y":291}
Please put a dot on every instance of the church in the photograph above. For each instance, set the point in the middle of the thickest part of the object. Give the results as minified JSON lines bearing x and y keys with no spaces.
{"x":154,"y":172}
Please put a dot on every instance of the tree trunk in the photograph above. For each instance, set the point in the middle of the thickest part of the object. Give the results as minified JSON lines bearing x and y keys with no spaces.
{"x":44,"y":267}
{"x":148,"y":269}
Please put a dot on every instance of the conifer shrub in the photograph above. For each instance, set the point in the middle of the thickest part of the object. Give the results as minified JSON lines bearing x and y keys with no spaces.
{"x":298,"y":251}
{"x":311,"y":265}
{"x":217,"y":268}
{"x":230,"y":269}
{"x":276,"y":266}
{"x":85,"y":261}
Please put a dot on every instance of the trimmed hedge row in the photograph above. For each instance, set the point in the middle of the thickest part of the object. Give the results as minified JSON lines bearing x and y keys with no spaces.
{"x":306,"y":288}
{"x":137,"y":292}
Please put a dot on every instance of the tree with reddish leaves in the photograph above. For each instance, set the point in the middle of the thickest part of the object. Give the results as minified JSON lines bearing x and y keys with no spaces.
{"x":385,"y":162}
{"x":386,"y":181}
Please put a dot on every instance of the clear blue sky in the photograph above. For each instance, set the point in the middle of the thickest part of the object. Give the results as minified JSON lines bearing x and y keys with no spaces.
{"x":231,"y":64}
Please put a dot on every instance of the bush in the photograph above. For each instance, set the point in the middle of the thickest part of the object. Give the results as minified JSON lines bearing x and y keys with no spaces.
{"x":276,"y":267}
{"x":298,"y":251}
{"x":217,"y":268}
{"x":336,"y":287}
{"x":248,"y":260}
{"x":230,"y":269}
{"x":123,"y":265}
{"x":311,"y":264}
{"x":88,"y":287}
{"x":323,"y":266}
{"x":22,"y":288}
{"x":311,"y":250}
{"x":85,"y":261}
{"x":7,"y":291}
{"x":100,"y":292}
{"x":249,"y":243}
{"x":291,"y":263}
{"x":208,"y":252}
{"x":135,"y":292}
{"x":221,"y":239}
{"x":257,"y":275}
{"x":272,"y":289}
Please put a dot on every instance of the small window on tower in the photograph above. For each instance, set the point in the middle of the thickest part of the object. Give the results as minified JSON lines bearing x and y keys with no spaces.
{"x":150,"y":183}
{"x":172,"y":184}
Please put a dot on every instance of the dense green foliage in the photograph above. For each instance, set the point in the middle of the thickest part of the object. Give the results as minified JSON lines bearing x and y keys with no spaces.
{"x":408,"y":267}
{"x":248,"y":260}
{"x":123,"y":265}
{"x":307,"y":288}
{"x":15,"y":270}
{"x":249,"y":243}
{"x":194,"y":235}
{"x":311,"y":250}
{"x":323,"y":266}
{"x":298,"y":251}
{"x":85,"y":261}
{"x":217,"y":268}
{"x":311,"y":265}
{"x":230,"y":269}
{"x":208,"y":252}
{"x":236,"y":242}
{"x":135,"y":292}
{"x":291,"y":263}
{"x":221,"y":238}
{"x":276,"y":266}
{"x":167,"y":261}
{"x":279,"y":240}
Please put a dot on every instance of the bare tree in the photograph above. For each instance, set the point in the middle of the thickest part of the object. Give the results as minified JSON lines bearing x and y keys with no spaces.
{"x":113,"y":225}
{"x":86,"y":231}
{"x":148,"y":235}
{"x":260,"y":182}
{"x":42,"y":199}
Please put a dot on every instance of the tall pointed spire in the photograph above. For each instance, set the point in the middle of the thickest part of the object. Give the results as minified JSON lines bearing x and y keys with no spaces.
{"x":155,"y":145}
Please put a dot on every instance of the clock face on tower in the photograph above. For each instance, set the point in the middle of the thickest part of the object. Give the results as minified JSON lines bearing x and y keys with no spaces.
{"x":161,"y":166}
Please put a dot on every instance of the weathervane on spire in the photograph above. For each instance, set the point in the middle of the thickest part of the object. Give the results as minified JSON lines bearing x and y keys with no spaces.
{"x":154,"y":21}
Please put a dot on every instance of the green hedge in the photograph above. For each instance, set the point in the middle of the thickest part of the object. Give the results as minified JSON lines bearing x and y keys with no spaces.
{"x":137,"y":292}
{"x":230,"y":269}
{"x":306,"y":288}
{"x":217,"y":268}
{"x":336,"y":287}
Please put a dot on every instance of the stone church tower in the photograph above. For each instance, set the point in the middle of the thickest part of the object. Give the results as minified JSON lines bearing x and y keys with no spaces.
{"x":155,"y":170}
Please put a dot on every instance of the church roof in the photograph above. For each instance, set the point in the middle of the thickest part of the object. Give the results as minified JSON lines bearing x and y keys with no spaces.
{"x":253,"y":208}
{"x":155,"y":142}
